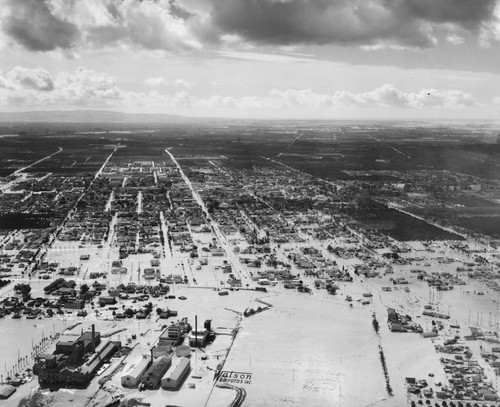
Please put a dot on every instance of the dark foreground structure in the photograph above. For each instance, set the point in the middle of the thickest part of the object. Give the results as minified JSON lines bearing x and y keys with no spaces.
{"x":74,"y":363}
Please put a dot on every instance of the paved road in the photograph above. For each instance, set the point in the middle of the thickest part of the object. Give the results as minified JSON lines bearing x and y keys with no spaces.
{"x":221,"y":238}
{"x":37,"y":162}
{"x":7,"y":186}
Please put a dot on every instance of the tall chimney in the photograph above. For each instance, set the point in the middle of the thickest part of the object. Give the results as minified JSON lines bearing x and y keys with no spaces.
{"x":93,"y":338}
{"x":151,"y":355}
{"x":196,"y":330}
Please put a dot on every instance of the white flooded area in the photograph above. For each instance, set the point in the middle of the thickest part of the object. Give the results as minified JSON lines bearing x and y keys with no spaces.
{"x":310,"y":349}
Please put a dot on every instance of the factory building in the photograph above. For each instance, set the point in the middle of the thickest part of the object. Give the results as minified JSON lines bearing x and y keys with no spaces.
{"x":74,"y":363}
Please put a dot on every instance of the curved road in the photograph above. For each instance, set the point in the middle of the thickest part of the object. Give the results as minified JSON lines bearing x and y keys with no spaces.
{"x":241,"y":394}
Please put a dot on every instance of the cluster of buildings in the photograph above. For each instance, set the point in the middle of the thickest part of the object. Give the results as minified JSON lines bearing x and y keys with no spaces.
{"x":66,"y":295}
{"x":493,"y":358}
{"x":74,"y":363}
{"x":136,"y":200}
{"x":444,"y":281}
{"x":53,"y":194}
{"x":169,"y":361}
{"x":155,"y":372}
{"x":89,"y":222}
{"x":466,"y":377}
{"x":401,"y":323}
{"x":488,"y":275}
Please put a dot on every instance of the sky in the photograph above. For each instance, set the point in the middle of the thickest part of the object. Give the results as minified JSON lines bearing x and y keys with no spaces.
{"x":300,"y":59}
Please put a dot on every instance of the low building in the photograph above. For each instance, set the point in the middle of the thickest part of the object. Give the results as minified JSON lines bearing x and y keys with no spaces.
{"x":152,"y":377}
{"x":105,"y":300}
{"x":70,"y":292}
{"x":114,"y":292}
{"x":6,"y":391}
{"x":134,"y":372}
{"x":75,"y":304}
{"x":175,"y":377}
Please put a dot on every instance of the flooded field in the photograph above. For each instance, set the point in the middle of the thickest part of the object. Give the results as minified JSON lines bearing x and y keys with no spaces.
{"x":29,"y":334}
{"x":319,"y":344}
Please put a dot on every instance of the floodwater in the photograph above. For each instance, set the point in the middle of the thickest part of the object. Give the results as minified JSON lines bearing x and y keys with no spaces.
{"x":310,"y":348}
{"x":18,"y":338}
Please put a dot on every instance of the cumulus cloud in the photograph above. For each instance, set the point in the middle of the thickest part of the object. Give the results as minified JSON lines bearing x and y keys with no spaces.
{"x":20,"y":78}
{"x":37,"y":87}
{"x":180,"y":25}
{"x":385,"y":96}
{"x":181,"y":84}
{"x":455,"y":39}
{"x":38,"y":78}
{"x":86,"y":87}
{"x":156,"y":82}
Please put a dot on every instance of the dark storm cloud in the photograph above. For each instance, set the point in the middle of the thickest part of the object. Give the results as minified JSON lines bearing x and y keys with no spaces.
{"x":364,"y":22}
{"x":46,"y":25}
{"x":177,"y":25}
{"x":32,"y":24}
{"x":147,"y":24}
{"x":469,"y":14}
{"x":178,"y":11}
{"x":114,"y":10}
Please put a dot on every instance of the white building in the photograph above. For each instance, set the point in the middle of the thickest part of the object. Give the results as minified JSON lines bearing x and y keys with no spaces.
{"x":176,"y":375}
{"x":134,"y":372}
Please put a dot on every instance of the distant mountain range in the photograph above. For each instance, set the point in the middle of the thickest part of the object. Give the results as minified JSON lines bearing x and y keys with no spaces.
{"x":91,"y":116}
{"x":108,"y":116}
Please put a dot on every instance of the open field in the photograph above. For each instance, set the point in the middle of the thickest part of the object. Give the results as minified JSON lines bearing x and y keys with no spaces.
{"x":398,"y":225}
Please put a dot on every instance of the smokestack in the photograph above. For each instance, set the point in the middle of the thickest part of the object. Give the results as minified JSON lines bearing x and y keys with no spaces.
{"x":151,"y":355}
{"x":93,"y":338}
{"x":208,"y":324}
{"x":196,"y":330}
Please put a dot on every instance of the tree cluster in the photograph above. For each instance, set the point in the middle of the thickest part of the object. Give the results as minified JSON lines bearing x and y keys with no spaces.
{"x":59,"y":283}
